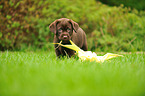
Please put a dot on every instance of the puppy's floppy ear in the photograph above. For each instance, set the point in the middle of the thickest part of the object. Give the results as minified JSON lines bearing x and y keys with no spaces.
{"x":74,"y":25}
{"x":52,"y":26}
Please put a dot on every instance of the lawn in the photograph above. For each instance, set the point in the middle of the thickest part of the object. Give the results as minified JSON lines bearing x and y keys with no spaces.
{"x":42,"y":74}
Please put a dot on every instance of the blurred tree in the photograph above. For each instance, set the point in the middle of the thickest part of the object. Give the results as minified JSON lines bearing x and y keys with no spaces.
{"x":137,"y":4}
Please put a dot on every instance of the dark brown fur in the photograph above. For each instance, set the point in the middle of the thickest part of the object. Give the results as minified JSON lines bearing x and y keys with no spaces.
{"x":66,"y":29}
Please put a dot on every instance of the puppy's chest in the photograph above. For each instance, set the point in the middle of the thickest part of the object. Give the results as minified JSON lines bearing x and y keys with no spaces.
{"x":66,"y":51}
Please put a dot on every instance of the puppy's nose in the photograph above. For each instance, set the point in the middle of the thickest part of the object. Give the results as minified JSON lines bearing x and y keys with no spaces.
{"x":65,"y":37}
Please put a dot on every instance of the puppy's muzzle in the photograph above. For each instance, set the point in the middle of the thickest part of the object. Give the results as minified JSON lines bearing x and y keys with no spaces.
{"x":65,"y":37}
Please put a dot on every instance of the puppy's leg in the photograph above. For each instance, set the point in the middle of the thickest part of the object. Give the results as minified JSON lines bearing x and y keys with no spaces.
{"x":85,"y":47}
{"x":58,"y":53}
{"x":57,"y":50}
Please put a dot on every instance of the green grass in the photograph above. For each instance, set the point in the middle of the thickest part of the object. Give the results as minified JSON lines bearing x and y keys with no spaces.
{"x":41,"y":74}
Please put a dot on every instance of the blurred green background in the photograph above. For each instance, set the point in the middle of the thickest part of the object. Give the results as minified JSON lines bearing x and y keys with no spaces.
{"x":121,"y":27}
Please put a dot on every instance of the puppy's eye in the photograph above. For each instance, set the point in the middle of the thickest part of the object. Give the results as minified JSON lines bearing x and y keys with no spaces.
{"x":59,"y":30}
{"x":68,"y":30}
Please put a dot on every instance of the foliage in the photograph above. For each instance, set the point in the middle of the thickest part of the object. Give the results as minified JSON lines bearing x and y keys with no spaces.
{"x":26,"y":23}
{"x":40,"y":73}
{"x":119,"y":30}
{"x":19,"y":25}
{"x":137,"y":4}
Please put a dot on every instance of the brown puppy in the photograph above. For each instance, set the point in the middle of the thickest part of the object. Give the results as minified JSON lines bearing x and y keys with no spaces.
{"x":64,"y":30}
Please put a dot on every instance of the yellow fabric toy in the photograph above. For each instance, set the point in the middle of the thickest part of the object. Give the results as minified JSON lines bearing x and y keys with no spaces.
{"x":88,"y":55}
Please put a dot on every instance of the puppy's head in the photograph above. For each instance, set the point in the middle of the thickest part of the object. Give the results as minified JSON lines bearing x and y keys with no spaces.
{"x":63,"y":28}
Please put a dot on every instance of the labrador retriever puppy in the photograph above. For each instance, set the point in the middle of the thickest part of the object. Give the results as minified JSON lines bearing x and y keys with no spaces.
{"x":64,"y":30}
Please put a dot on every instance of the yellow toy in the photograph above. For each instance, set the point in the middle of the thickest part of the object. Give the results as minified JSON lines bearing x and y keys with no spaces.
{"x":88,"y":55}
